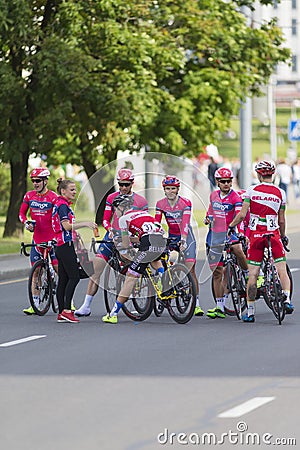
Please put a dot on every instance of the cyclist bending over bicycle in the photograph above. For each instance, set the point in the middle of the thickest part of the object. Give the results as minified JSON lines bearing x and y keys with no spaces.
{"x":266,"y":203}
{"x":149,"y":233}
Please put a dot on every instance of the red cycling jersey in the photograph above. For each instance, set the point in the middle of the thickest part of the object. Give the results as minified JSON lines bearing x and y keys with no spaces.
{"x":139,"y":223}
{"x":178,"y":217}
{"x":265,"y":200}
{"x":40,"y":207}
{"x":110,"y":219}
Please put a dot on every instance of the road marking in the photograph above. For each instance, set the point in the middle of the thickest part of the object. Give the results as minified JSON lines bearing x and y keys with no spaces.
{"x":13,"y":281}
{"x":246,"y":407}
{"x":21,"y":341}
{"x":295,"y":269}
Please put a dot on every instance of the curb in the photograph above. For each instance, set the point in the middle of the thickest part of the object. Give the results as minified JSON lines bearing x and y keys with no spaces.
{"x":6,"y":275}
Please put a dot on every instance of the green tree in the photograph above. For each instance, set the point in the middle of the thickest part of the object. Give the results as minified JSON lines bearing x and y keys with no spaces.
{"x":82,"y":79}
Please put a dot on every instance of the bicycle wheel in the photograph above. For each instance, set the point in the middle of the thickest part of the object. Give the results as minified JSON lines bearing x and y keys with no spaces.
{"x":40,"y":287}
{"x":276,"y":299}
{"x":181,"y":308}
{"x":158,"y":308}
{"x":110,"y":287}
{"x":291,"y":280}
{"x":54,"y":303}
{"x":140,"y":303}
{"x":237,"y":290}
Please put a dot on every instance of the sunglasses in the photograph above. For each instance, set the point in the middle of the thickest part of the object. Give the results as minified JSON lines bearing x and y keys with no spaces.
{"x":225,"y":181}
{"x":124,"y":184}
{"x":36,"y":180}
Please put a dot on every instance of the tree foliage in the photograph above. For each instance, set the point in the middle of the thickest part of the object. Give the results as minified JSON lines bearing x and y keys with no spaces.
{"x":82,"y":79}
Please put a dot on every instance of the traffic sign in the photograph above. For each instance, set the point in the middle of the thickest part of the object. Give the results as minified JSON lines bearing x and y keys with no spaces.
{"x":294,"y":130}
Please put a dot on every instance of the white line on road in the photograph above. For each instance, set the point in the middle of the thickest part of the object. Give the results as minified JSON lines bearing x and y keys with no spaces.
{"x":246,"y":407}
{"x":13,"y":281}
{"x":21,"y":341}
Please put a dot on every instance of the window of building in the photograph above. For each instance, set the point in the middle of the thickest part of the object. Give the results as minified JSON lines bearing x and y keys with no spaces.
{"x":294,"y":4}
{"x":294,"y":63}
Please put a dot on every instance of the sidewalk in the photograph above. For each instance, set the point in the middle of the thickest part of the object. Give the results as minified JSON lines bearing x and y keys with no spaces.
{"x":16,"y":266}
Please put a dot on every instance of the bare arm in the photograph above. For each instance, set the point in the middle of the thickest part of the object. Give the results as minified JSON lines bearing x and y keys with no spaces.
{"x":281,"y":222}
{"x":241,"y":215}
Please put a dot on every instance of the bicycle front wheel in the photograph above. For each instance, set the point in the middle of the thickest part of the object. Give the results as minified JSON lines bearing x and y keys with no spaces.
{"x":236,"y":290}
{"x":40,"y":289}
{"x":140,"y":303}
{"x":181,"y":284}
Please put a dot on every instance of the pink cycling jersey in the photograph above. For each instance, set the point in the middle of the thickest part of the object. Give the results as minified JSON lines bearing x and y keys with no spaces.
{"x":110,"y":219}
{"x":178,"y":217}
{"x":223,"y":210}
{"x":40,"y":207}
{"x":139,"y":223}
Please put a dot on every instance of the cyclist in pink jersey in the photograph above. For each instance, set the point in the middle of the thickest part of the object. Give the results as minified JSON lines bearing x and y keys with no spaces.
{"x":125,"y":179}
{"x":143,"y":227}
{"x":39,"y":203}
{"x":266,"y":203}
{"x":177,"y":212}
{"x":224,"y":205}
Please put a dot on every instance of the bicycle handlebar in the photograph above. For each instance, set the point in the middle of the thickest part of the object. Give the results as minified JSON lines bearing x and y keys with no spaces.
{"x":48,"y":244}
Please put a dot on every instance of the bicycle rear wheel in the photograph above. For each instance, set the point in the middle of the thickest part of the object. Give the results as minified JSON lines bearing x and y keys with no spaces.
{"x":181,"y":308}
{"x":276,"y":300}
{"x":236,"y":289}
{"x":40,"y":289}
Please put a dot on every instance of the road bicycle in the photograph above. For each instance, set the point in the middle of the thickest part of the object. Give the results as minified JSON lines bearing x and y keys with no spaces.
{"x":236,"y":282}
{"x":176,"y":294}
{"x":42,"y":279}
{"x":114,"y":273}
{"x":271,"y":289}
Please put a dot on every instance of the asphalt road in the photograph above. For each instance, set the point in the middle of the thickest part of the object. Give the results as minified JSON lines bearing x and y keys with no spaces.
{"x":130,"y":386}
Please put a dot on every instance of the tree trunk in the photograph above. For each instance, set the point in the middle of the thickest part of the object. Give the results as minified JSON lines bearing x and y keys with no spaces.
{"x":18,"y":174}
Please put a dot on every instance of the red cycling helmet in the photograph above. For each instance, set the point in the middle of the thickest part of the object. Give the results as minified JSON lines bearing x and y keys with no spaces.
{"x":170,"y":180}
{"x":125,"y":175}
{"x":40,"y":172}
{"x":265,"y":168}
{"x":223,"y":172}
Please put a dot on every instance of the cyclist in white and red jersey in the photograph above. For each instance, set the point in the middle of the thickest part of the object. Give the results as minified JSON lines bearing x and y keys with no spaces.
{"x":177,"y":212}
{"x":142,"y":226}
{"x":39,"y":203}
{"x":224,"y":205}
{"x":266,"y":203}
{"x":125,"y":179}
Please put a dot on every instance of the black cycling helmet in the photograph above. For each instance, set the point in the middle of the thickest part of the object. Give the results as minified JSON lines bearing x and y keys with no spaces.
{"x":124,"y":200}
